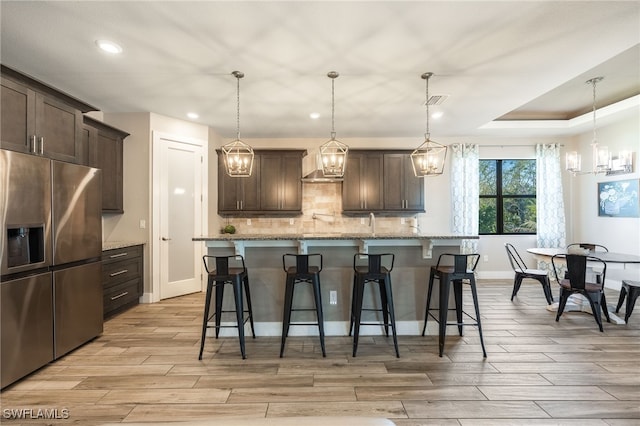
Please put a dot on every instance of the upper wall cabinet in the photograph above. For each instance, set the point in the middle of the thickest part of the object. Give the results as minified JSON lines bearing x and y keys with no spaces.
{"x":381,"y":181}
{"x":363,"y":182}
{"x":403,"y":191}
{"x":104,"y":150}
{"x":39,"y":119}
{"x":274,"y":187}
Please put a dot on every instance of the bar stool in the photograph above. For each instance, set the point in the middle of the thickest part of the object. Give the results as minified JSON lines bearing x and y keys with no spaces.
{"x":228,"y":270}
{"x":302,"y":268}
{"x":630,"y":290}
{"x":455,"y":274}
{"x":373,"y":268}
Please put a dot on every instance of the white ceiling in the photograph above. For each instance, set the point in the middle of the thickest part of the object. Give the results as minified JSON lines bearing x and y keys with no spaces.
{"x":519,"y":59}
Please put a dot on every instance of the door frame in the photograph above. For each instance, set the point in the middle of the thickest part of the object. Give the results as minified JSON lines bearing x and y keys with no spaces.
{"x":157,"y":140}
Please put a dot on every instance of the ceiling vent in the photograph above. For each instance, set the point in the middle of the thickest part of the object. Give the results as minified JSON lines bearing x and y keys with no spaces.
{"x":436,"y":99}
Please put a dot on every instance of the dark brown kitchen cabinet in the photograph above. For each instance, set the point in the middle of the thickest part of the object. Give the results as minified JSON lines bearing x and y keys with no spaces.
{"x":403,"y":191}
{"x":122,"y":278}
{"x":274,"y":187}
{"x":362,"y":188}
{"x":238,"y":194}
{"x":104,"y":150}
{"x":280,"y":182}
{"x":40,"y":120}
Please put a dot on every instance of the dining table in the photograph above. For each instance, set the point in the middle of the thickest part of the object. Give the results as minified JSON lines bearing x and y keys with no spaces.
{"x":620,"y":266}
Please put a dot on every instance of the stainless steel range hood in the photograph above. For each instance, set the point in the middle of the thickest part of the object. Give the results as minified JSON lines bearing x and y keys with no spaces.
{"x":317,"y":176}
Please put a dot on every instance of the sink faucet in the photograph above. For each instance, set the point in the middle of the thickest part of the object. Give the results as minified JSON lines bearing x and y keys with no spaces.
{"x":372,"y":222}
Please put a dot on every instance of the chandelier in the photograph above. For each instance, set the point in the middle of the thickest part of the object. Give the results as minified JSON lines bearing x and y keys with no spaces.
{"x":603,"y":162}
{"x":333,"y":154}
{"x":238,"y":156}
{"x":428,"y":159}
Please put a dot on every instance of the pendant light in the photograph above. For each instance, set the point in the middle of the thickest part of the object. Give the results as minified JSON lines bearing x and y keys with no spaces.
{"x":238,"y":156}
{"x":602,"y":161}
{"x":333,"y":154}
{"x":428,"y":159}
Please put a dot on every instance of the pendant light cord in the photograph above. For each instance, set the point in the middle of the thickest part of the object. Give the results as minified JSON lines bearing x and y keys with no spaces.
{"x":593,"y":82}
{"x":426,"y":102}
{"x":238,"y":107}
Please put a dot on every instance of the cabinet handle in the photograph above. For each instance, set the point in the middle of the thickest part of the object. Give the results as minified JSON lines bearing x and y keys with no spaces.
{"x":33,"y":146}
{"x":41,"y":145}
{"x":117,"y":255}
{"x":124,"y":271}
{"x":120,"y":295}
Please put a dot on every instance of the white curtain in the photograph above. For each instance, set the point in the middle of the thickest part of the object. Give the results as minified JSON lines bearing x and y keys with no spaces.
{"x":465,"y":193}
{"x":550,"y":199}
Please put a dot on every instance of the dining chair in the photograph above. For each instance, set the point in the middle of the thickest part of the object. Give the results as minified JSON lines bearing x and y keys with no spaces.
{"x":589,"y":246}
{"x":579,"y":278}
{"x":522,"y":271}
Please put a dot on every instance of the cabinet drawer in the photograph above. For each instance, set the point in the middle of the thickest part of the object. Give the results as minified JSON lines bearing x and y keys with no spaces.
{"x":120,"y":295}
{"x":118,"y":272}
{"x":121,"y":254}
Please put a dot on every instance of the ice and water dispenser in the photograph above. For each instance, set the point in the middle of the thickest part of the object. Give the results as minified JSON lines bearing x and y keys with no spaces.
{"x":25,"y":245}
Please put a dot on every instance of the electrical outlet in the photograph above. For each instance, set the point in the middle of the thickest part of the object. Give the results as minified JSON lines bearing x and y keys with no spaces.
{"x":143,"y":223}
{"x":402,"y":221}
{"x":291,"y":221}
{"x":362,"y":221}
{"x":333,"y":297}
{"x":486,"y":258}
{"x":248,"y":222}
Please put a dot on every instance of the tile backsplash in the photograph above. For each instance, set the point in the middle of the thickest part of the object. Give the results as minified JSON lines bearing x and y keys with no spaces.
{"x":321,"y":213}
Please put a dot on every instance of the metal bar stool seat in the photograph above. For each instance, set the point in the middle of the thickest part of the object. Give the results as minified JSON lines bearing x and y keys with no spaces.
{"x":373,"y":268}
{"x":462,"y":271}
{"x":229,"y":270}
{"x":306,"y":269}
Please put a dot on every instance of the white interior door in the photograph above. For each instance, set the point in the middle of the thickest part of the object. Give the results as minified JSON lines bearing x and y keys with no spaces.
{"x":180,"y":218}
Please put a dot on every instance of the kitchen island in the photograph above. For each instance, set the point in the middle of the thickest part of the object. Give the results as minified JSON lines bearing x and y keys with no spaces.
{"x":414,"y":254}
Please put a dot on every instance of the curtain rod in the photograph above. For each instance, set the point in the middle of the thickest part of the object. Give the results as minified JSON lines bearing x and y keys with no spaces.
{"x":517,"y":146}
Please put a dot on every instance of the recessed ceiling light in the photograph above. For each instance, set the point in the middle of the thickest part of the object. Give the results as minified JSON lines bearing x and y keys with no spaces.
{"x":314,"y":115}
{"x":109,"y":46}
{"x":437,"y":114}
{"x":192,"y":115}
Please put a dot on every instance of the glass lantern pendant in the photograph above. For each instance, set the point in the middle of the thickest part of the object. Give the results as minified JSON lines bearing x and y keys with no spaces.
{"x":333,"y":154}
{"x":428,"y":159}
{"x":238,"y":156}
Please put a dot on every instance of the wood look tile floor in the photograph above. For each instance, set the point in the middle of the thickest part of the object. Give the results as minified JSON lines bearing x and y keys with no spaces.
{"x":144,"y":368}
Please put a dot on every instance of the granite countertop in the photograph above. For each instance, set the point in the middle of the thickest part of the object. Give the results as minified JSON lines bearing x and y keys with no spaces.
{"x":330,"y":236}
{"x":111,"y":245}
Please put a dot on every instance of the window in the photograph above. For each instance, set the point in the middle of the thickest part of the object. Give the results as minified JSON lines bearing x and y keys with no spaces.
{"x":507,"y":197}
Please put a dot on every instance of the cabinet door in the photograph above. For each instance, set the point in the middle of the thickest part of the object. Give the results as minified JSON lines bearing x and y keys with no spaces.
{"x":291,"y":191}
{"x":238,"y":193}
{"x":362,"y":188}
{"x":412,"y":187}
{"x":271,"y":182}
{"x":402,"y":189}
{"x":17,"y":127}
{"x":280,"y":185}
{"x":372,"y":182}
{"x":394,"y":196}
{"x":110,"y":158}
{"x":351,"y":186}
{"x":58,"y":130}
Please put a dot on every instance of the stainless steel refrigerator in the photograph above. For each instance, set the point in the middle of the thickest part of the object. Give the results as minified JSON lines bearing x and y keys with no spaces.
{"x":50,"y":245}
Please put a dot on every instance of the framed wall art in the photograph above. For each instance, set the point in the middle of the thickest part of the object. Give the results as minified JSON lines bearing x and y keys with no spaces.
{"x":619,"y":198}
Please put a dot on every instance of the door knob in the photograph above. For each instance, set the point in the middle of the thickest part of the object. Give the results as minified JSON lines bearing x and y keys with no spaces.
{"x":166,"y":239}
